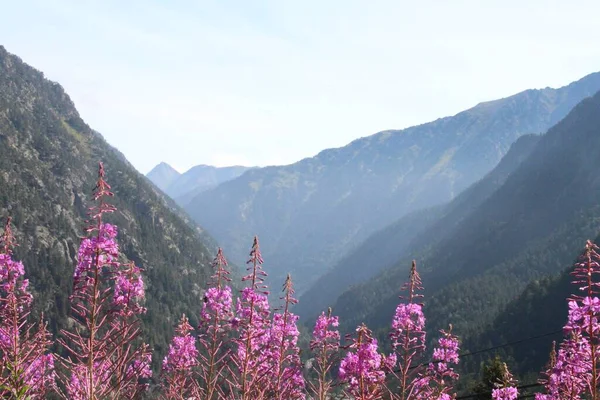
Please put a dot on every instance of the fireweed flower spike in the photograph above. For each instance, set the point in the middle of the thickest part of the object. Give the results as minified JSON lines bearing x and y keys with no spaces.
{"x":103,"y":358}
{"x":325,"y":347}
{"x":574,"y":372}
{"x":363,"y":368}
{"x":214,"y":327}
{"x":408,"y":335}
{"x":283,"y":353}
{"x":178,"y":366}
{"x":436,"y":382}
{"x":26,"y":370}
{"x":508,"y":393}
{"x":252,"y":323}
{"x":506,"y":389}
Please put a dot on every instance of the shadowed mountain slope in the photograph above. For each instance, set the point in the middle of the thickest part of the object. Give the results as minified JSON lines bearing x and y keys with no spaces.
{"x":530,"y":227}
{"x":413,"y":231}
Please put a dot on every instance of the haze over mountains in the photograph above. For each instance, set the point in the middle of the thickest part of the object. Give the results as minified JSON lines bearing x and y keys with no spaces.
{"x":532,"y":226}
{"x":48,"y":168}
{"x":311,"y":213}
{"x":416,"y":230}
{"x":184,"y":187}
{"x":494,"y":203}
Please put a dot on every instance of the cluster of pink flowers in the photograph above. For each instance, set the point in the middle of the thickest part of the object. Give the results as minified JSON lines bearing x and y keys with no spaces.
{"x":325,"y":346}
{"x":363,"y":368}
{"x":103,"y":356}
{"x":507,"y":393}
{"x":26,"y":366}
{"x":573,"y":373}
{"x":242,"y":349}
{"x":180,"y":362}
{"x":436,"y":381}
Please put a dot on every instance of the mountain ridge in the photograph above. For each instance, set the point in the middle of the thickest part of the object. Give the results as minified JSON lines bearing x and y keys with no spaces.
{"x":311,"y":213}
{"x":531,"y":226}
{"x":163,"y":175}
{"x":199,"y":178}
{"x":384,"y":248}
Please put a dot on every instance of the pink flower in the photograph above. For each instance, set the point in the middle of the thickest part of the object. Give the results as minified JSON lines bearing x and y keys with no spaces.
{"x":23,"y":346}
{"x":128,"y":292}
{"x":178,"y":374}
{"x":217,"y":304}
{"x":507,"y":393}
{"x":324,"y":332}
{"x":183,"y":354}
{"x":363,"y":367}
{"x":409,"y":319}
{"x":105,"y":306}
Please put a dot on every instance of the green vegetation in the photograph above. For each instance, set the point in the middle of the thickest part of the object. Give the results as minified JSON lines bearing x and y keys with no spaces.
{"x":476,"y":269}
{"x":48,"y":160}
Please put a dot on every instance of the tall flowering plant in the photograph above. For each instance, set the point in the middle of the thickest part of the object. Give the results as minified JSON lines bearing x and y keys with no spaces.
{"x":325,"y":345}
{"x":506,"y":388}
{"x":214,"y":328}
{"x":26,"y":367}
{"x":416,"y":380}
{"x":436,"y":382}
{"x":408,"y":336}
{"x":180,"y":380}
{"x":252,"y":324}
{"x":363,"y":368}
{"x":573,"y":374}
{"x":104,"y":360}
{"x":283,"y":353}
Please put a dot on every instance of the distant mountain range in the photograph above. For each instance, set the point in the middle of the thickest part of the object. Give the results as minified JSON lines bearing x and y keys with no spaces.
{"x":48,"y":167}
{"x":184,"y":187}
{"x":417,"y":230}
{"x":533,"y":225}
{"x":163,"y":175}
{"x":494,"y":203}
{"x":312,"y":213}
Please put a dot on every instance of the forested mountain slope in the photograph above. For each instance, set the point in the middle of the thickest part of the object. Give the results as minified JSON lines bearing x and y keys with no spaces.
{"x":531,"y":227}
{"x":48,"y":166}
{"x":413,"y":231}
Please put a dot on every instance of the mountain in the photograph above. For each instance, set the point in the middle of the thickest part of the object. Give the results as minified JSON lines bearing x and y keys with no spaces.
{"x":413,"y":231}
{"x":163,"y":175}
{"x":311,"y":213}
{"x":532,"y":226}
{"x":48,"y":168}
{"x":532,"y":321}
{"x":184,"y":187}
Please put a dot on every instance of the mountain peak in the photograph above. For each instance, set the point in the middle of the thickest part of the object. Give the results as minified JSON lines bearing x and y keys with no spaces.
{"x":163,"y":166}
{"x":199,"y":178}
{"x":163,"y":175}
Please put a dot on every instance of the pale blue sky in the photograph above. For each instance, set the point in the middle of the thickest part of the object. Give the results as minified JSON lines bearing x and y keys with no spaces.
{"x":271,"y":82}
